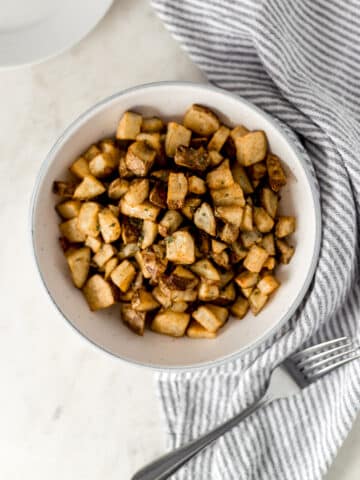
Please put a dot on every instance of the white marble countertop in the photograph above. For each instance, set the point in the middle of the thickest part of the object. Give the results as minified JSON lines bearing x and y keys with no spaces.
{"x":67,"y":410}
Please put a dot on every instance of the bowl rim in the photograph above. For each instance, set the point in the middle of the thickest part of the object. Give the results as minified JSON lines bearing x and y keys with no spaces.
{"x":314,"y":193}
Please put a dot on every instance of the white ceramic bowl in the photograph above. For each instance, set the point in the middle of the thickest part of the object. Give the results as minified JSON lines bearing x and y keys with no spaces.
{"x":105,"y":329}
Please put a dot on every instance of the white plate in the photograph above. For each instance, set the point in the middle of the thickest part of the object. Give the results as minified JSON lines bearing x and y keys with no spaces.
{"x":34,"y":30}
{"x":105,"y":329}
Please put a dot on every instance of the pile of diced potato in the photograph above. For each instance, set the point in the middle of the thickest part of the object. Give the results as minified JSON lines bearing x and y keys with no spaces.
{"x":177,"y":222}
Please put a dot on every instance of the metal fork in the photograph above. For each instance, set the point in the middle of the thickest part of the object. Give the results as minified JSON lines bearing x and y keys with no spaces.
{"x":294,"y":374}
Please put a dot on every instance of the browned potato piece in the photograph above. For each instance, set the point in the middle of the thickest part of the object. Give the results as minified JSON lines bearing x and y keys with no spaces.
{"x":80,"y":167}
{"x":177,"y":190}
{"x":63,"y":189}
{"x":247,"y":291}
{"x":231,"y":214}
{"x":138,"y":192}
{"x":269,"y":201}
{"x":110,"y":266}
{"x":158,"y":195}
{"x":250,"y":238}
{"x":264,"y":223}
{"x":144,"y":301}
{"x":219,"y":138}
{"x":204,"y":219}
{"x":98,"y":293}
{"x":225,"y":278}
{"x":109,"y":225}
{"x":91,"y":152}
{"x":180,"y":248}
{"x":124,"y":172}
{"x":270,"y":263}
{"x":240,"y":308}
{"x":268,"y":243}
{"x":220,"y":177}
{"x":123,"y":275}
{"x":211,"y":317}
{"x":153,"y":139}
{"x":104,"y":254}
{"x":181,"y":279}
{"x":214,"y":158}
{"x":140,"y":260}
{"x":128,"y":250}
{"x":257,"y":171}
{"x":152,"y":124}
{"x":162,"y":175}
{"x":103,"y":165}
{"x":94,"y":243}
{"x":206,"y":270}
{"x":171,"y":323}
{"x":144,"y":211}
{"x":222,"y":259}
{"x":229,"y":233}
{"x":251,"y":148}
{"x":154,"y":261}
{"x":162,"y":297}
{"x":195,"y":330}
{"x":240,"y":176}
{"x":90,"y":187}
{"x":255,"y":259}
{"x":208,"y":291}
{"x":217,"y":247}
{"x":268,"y":284}
{"x":196,"y":185}
{"x":130,"y":230}
{"x":201,"y":120}
{"x":190,"y":207}
{"x":192,"y":158}
{"x":149,"y":233}
{"x":247,"y":219}
{"x":238,"y":131}
{"x":285,"y":226}
{"x":88,"y":219}
{"x":237,"y":252}
{"x":129,"y":126}
{"x":232,"y":195}
{"x":188,"y":295}
{"x":170,"y":222}
{"x":108,"y":146}
{"x":70,"y":230}
{"x":277,"y":177}
{"x":140,"y":158}
{"x":286,"y":251}
{"x":176,"y":135}
{"x":118,"y":188}
{"x":79,"y":264}
{"x":68,"y":209}
{"x":135,"y":320}
{"x":257,"y":301}
{"x":126,"y":297}
{"x":226,"y":295}
{"x":247,"y":279}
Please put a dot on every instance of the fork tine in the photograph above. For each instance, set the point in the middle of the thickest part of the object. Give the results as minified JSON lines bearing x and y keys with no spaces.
{"x":317,"y":364}
{"x":319,"y":346}
{"x":325,"y":353}
{"x":332,"y":366}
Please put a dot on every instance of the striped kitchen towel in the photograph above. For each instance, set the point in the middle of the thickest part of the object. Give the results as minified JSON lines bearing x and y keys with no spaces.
{"x":299,"y":60}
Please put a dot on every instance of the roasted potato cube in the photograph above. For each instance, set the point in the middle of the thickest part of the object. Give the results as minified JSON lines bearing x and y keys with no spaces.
{"x":152,"y":125}
{"x":218,"y":247}
{"x":171,"y":323}
{"x":162,"y":175}
{"x":180,"y":248}
{"x":144,"y":211}
{"x":225,"y":278}
{"x":126,"y":297}
{"x":80,"y":168}
{"x":140,"y":260}
{"x":104,"y":254}
{"x":226,"y":295}
{"x":189,"y":295}
{"x":179,"y":307}
{"x":237,"y":252}
{"x":79,"y":264}
{"x":250,"y":238}
{"x":277,"y":177}
{"x":71,"y":231}
{"x":230,"y":214}
{"x":91,"y":152}
{"x":170,"y":222}
{"x":123,"y":275}
{"x":140,"y":158}
{"x":130,"y":230}
{"x":255,"y":259}
{"x":88,"y":219}
{"x":177,"y":190}
{"x":98,"y":293}
{"x":110,"y":266}
{"x":214,"y":158}
{"x":286,"y":251}
{"x":103,"y":165}
{"x":247,"y":279}
{"x":257,"y":301}
{"x":229,"y":233}
{"x":251,"y":148}
{"x":268,"y":243}
{"x":158,"y":195}
{"x":63,"y":189}
{"x":94,"y":243}
{"x":138,"y":192}
{"x":240,"y":176}
{"x":240,"y":308}
{"x":247,"y":291}
{"x":129,"y":126}
{"x":220,"y":177}
{"x":118,"y":188}
{"x":68,"y":209}
{"x":180,"y":279}
{"x":268,"y":284}
{"x":144,"y":301}
{"x":222,"y":259}
{"x":90,"y":187}
{"x":134,"y":319}
{"x":269,"y":201}
{"x":108,"y":146}
{"x":232,"y":195}
{"x":201,"y":120}
{"x":197,"y":142}
{"x":270,"y":263}
{"x":128,"y":250}
{"x":285,"y":226}
{"x":264,"y":223}
{"x":149,"y":233}
{"x":196,"y":185}
{"x":211,"y":317}
{"x":195,"y":330}
{"x":219,"y":138}
{"x":190,"y":207}
{"x":155,"y":262}
{"x":176,"y":136}
{"x":109,"y":225}
{"x":208,"y":291}
{"x":247,"y":219}
{"x":191,"y":158}
{"x":162,"y":297}
{"x":204,"y":219}
{"x":238,"y":131}
{"x":124,"y":172}
{"x":257,"y":171}
{"x":152,"y":139}
{"x":206,"y":270}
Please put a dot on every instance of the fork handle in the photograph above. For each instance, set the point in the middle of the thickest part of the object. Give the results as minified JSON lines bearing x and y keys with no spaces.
{"x":166,"y":465}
